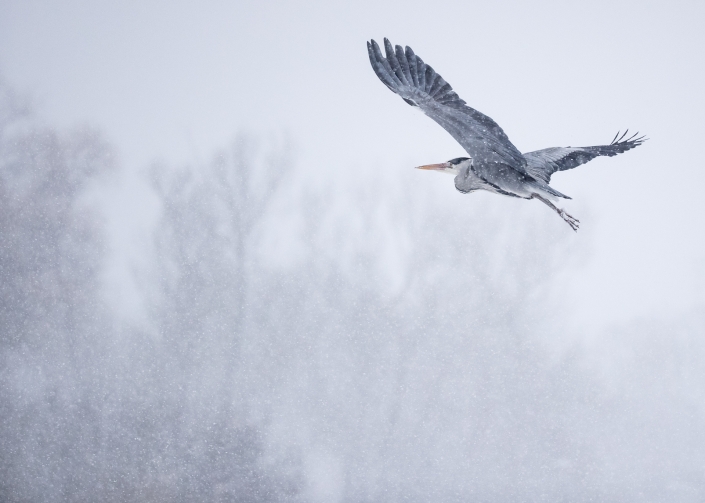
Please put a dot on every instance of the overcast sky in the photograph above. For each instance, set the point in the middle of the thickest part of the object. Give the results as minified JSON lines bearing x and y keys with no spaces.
{"x":175,"y":80}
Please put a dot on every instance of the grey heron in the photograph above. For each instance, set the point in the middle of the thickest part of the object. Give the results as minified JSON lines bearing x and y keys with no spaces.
{"x":494,"y":164}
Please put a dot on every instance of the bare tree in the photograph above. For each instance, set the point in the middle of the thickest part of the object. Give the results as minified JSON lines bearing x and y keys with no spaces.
{"x":50,"y":260}
{"x":201,"y":308}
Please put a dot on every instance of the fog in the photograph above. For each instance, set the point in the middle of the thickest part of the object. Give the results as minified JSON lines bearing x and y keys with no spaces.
{"x":221,"y":280}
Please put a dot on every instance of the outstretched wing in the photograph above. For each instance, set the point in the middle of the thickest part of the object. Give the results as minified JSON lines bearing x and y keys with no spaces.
{"x":419,"y":85}
{"x":541,"y":164}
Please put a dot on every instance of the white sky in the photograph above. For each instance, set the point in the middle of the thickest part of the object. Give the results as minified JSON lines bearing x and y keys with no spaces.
{"x":174,"y":80}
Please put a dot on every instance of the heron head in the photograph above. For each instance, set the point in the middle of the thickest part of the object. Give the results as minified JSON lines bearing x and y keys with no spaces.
{"x":453,"y":166}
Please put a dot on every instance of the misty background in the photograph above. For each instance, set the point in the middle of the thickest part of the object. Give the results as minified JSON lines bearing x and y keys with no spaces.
{"x":221,"y":280}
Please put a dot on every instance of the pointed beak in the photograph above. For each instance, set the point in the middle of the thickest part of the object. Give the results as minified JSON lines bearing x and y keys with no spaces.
{"x":437,"y":167}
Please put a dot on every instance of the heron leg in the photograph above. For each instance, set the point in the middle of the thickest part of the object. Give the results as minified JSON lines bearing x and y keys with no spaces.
{"x":572,"y":221}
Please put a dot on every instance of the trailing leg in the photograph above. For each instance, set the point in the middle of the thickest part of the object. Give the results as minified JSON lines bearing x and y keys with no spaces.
{"x":573,"y":222}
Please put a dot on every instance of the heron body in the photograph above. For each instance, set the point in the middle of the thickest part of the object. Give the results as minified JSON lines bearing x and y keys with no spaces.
{"x":494,"y":163}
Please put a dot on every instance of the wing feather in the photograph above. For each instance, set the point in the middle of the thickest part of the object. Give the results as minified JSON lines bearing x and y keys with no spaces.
{"x":394,"y":63}
{"x":421,"y":73}
{"x":437,"y":85}
{"x":404,"y":64}
{"x":430,"y":78}
{"x":543,"y":163}
{"x":382,"y":68}
{"x":411,"y":60}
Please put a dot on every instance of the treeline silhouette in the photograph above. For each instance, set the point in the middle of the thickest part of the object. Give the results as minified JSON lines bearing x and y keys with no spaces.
{"x":361,"y":339}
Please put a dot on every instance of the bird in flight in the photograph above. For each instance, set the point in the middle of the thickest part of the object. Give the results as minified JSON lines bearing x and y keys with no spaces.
{"x":494,"y":164}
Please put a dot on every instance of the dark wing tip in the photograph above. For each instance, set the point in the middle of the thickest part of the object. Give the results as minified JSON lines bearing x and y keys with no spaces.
{"x":375,"y":46}
{"x":388,"y":45}
{"x":635,"y":138}
{"x":399,"y":67}
{"x":621,"y":143}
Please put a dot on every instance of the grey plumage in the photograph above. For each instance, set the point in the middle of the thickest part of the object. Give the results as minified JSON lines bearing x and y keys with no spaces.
{"x":543,"y":163}
{"x":495,"y":164}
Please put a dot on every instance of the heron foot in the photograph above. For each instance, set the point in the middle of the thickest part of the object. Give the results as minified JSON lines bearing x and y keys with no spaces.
{"x":572,"y":221}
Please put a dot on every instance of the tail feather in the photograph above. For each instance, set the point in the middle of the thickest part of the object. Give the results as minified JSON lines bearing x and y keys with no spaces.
{"x":548,"y":190}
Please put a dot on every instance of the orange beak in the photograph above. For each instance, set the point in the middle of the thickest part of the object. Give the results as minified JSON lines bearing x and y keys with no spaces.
{"x":437,"y":167}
